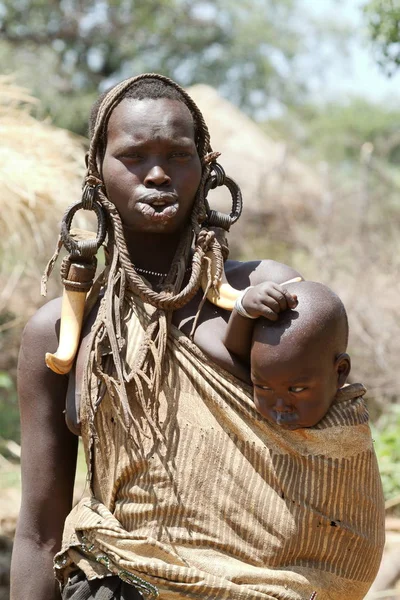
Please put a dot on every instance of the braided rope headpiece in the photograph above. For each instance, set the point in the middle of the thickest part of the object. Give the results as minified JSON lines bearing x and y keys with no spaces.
{"x":117,"y":94}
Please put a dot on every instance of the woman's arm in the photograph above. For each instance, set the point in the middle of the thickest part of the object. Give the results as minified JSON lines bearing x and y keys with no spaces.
{"x":48,"y":462}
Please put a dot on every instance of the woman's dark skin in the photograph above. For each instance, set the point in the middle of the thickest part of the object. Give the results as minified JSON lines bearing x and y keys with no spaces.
{"x":150,"y":150}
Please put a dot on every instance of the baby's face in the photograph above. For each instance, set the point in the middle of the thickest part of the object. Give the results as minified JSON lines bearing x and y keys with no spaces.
{"x":293,"y":391}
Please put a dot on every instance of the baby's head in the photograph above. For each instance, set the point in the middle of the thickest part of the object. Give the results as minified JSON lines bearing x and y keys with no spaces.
{"x":299,"y":361}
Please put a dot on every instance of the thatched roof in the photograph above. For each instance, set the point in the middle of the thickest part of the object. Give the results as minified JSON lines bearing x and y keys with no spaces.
{"x":268,"y":175}
{"x":41,"y":170}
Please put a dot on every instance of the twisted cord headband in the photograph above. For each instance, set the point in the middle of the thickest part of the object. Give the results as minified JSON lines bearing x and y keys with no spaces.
{"x":116,"y":95}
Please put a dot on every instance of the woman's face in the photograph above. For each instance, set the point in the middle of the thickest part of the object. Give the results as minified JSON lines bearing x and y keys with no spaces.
{"x":151,"y":168}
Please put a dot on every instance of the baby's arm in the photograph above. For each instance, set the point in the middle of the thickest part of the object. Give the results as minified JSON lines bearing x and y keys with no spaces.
{"x":266,"y":300}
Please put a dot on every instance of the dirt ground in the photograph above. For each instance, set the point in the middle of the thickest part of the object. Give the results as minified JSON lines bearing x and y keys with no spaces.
{"x":386,"y":586}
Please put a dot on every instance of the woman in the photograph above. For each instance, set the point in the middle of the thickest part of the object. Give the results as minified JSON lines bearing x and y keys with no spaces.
{"x":187,"y":499}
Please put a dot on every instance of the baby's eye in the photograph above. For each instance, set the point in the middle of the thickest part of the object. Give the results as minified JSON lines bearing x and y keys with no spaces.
{"x":265,"y":388}
{"x":296,"y":389}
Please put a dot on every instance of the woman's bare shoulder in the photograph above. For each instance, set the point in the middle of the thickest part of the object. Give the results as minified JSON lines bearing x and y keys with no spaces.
{"x":243,"y":273}
{"x":40,"y":335}
{"x":44,"y":323}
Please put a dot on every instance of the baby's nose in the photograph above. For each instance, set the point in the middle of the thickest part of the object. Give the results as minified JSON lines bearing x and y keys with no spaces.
{"x":282,"y":406}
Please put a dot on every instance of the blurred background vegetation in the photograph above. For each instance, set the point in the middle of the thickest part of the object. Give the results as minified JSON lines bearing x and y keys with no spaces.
{"x":264,"y":56}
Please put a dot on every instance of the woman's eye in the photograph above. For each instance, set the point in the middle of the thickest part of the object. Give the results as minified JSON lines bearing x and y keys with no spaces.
{"x":296,"y":389}
{"x":130,"y":155}
{"x":181,"y":155}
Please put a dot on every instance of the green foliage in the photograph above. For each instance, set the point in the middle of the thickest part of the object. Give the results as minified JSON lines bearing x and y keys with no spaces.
{"x":66,"y":51}
{"x":383,"y":17}
{"x":9,"y":414}
{"x":386,"y":434}
{"x":336,"y":132}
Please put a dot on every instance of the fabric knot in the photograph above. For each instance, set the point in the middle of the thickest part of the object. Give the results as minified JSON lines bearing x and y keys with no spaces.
{"x":205,"y":239}
{"x":210,"y":157}
{"x":92,"y":179}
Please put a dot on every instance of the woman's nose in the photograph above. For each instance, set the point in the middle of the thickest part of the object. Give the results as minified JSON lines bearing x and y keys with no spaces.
{"x":157,"y":176}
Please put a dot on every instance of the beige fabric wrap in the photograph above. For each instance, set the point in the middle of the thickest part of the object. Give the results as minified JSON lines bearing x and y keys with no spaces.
{"x":215,"y":502}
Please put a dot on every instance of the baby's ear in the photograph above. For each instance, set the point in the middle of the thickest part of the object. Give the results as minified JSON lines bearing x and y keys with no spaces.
{"x":342,"y":367}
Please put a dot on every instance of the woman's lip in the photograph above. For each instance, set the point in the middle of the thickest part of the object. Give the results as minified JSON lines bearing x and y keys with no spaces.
{"x":150,"y":212}
{"x":158,"y":198}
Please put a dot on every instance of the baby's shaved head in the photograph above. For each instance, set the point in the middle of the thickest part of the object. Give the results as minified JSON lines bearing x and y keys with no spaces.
{"x":319,"y":317}
{"x":299,"y":362}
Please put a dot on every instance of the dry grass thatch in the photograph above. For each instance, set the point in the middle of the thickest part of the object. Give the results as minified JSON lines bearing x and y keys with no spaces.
{"x":41,"y":169}
{"x":354,"y":249}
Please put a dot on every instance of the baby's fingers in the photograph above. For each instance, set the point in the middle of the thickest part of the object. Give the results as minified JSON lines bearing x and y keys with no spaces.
{"x":283,"y":298}
{"x":290,"y":298}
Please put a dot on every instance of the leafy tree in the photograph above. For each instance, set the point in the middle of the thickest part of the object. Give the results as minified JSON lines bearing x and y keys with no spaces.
{"x":336,"y":132}
{"x":386,"y":435}
{"x":66,"y":50}
{"x":383,"y":17}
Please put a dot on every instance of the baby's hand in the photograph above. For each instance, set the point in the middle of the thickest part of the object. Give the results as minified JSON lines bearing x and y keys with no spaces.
{"x":267,"y":300}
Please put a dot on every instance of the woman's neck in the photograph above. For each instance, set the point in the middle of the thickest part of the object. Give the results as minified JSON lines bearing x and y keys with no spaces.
{"x":152,"y":251}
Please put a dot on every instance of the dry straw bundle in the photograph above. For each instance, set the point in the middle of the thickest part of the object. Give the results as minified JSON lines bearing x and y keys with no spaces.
{"x":41,"y":169}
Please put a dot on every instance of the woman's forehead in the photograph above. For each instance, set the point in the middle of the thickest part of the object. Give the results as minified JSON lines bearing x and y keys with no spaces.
{"x":149,"y":117}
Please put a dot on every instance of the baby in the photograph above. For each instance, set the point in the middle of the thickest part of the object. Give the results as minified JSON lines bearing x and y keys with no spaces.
{"x":298,"y":358}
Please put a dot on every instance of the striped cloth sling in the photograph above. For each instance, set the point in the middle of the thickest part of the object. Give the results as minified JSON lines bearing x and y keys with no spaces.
{"x":203,"y":498}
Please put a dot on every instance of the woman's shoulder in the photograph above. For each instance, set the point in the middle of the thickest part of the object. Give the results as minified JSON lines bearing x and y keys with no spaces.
{"x":43,"y":326}
{"x":254,"y":272}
